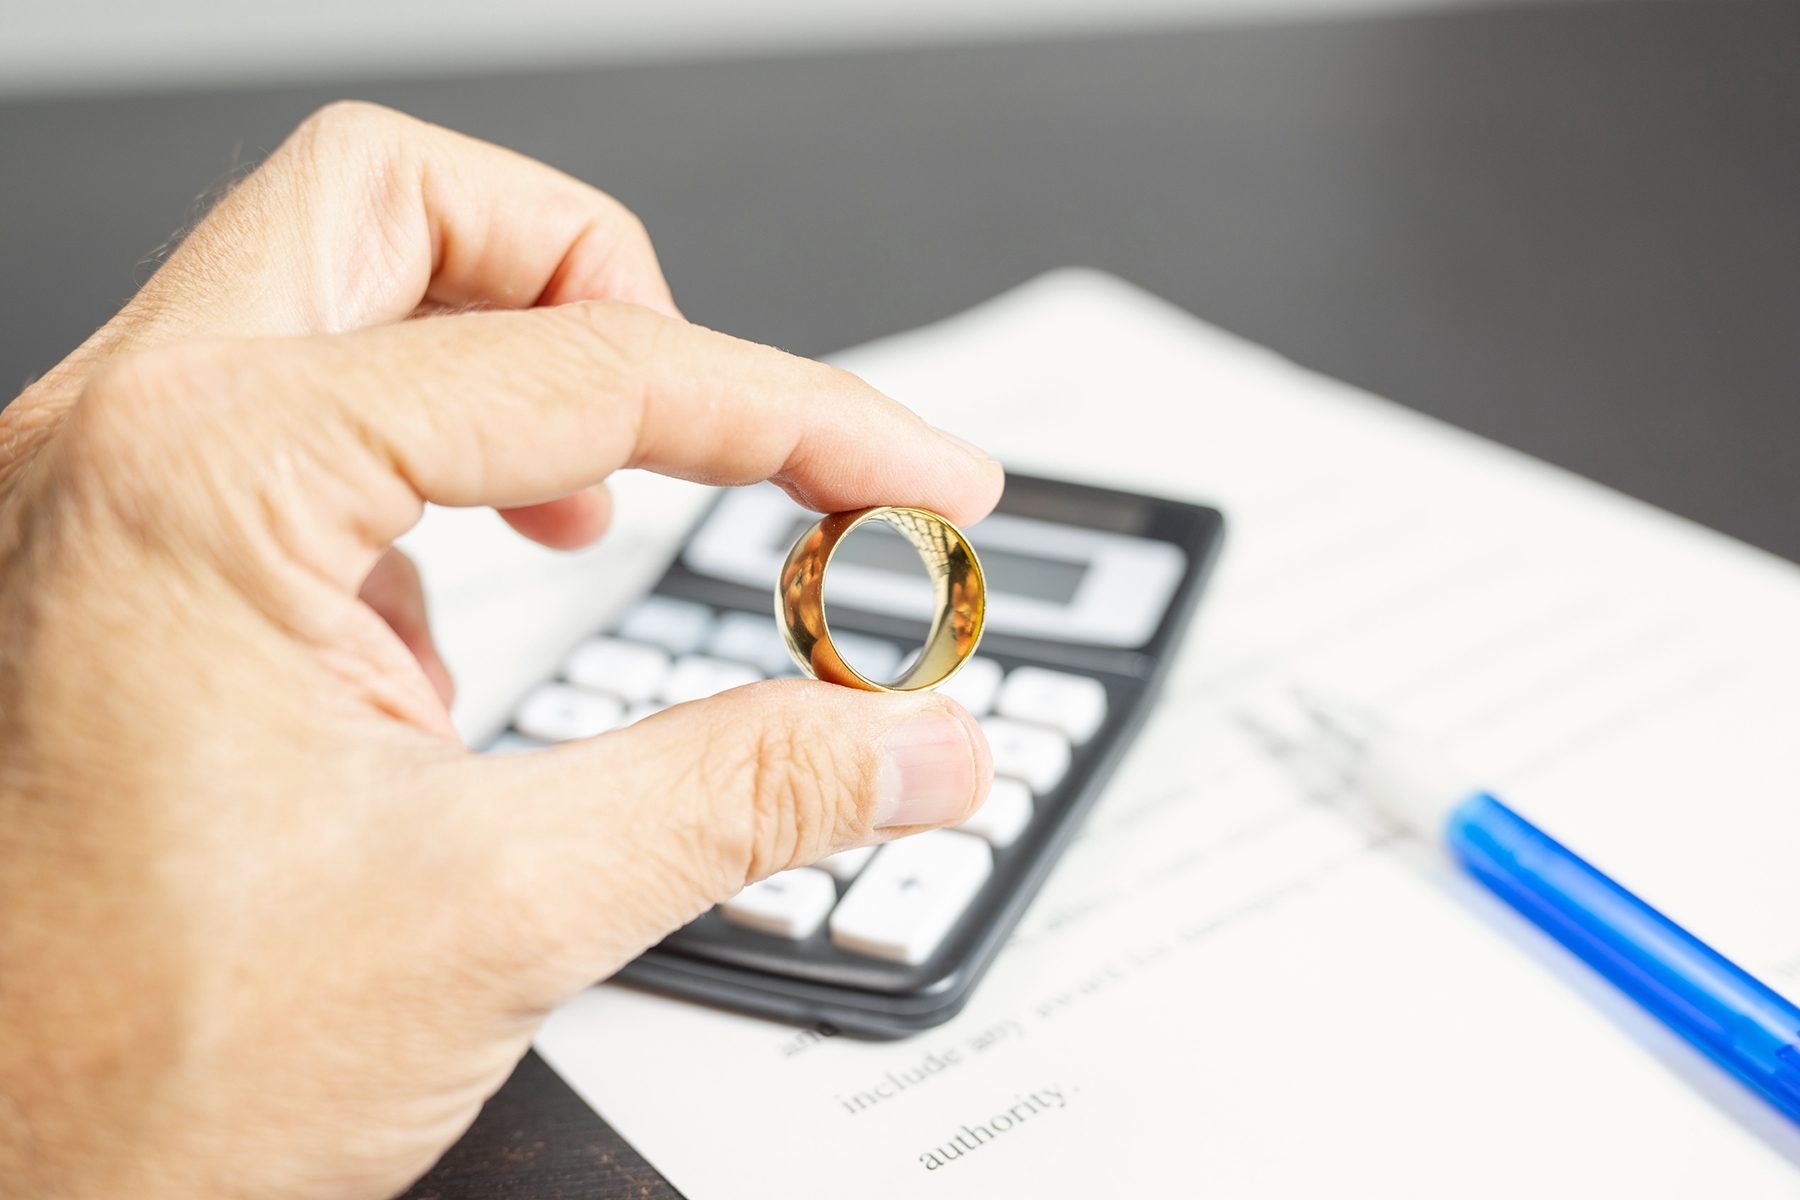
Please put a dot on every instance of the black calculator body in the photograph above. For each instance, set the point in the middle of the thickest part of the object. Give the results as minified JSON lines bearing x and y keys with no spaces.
{"x":1089,"y":594}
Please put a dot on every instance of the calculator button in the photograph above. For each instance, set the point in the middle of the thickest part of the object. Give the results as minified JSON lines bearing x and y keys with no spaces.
{"x":512,"y":743}
{"x":1074,"y":704}
{"x":678,"y":626}
{"x":910,"y":897}
{"x":791,"y":904}
{"x":974,"y":686}
{"x":696,"y":677}
{"x":869,"y":657}
{"x":1003,"y":816}
{"x":631,"y":670}
{"x":559,"y":712}
{"x":1033,"y":753}
{"x":846,"y":865}
{"x":751,"y":638}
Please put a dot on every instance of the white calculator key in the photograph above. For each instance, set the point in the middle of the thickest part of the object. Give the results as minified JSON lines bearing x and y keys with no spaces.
{"x":846,"y":865}
{"x":869,"y":657}
{"x":1003,"y":816}
{"x":1033,"y":753}
{"x":1075,"y":704}
{"x":910,"y":897}
{"x":638,"y":712}
{"x":559,"y":712}
{"x":678,"y":626}
{"x":751,"y":638}
{"x":632,"y":670}
{"x":512,"y":743}
{"x":696,"y":677}
{"x":792,"y":904}
{"x":974,"y":686}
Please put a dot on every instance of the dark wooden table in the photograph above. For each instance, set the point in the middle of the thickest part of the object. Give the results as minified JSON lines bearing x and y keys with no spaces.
{"x":1574,"y":229}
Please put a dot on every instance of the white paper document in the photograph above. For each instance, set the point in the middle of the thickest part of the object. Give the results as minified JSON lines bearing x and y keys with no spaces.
{"x":1231,"y":986}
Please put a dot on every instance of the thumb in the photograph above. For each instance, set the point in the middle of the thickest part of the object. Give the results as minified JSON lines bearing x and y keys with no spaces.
{"x":614,"y":842}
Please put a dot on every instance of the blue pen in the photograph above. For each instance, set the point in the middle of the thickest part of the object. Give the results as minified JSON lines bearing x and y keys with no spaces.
{"x":1732,"y":1017}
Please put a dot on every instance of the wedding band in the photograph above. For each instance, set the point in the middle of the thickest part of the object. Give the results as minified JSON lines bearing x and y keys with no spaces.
{"x":958,"y":590}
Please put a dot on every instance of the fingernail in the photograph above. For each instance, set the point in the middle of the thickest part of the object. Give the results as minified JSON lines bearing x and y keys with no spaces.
{"x":975,"y":452}
{"x":932,"y":770}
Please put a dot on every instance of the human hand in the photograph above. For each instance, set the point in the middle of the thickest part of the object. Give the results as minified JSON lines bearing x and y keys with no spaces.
{"x":270,"y":930}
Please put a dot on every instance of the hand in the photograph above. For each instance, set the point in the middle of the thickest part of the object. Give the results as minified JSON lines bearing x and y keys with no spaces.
{"x":269,"y":929}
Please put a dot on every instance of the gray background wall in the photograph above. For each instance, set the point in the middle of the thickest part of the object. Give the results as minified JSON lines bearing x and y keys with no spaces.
{"x":60,"y":46}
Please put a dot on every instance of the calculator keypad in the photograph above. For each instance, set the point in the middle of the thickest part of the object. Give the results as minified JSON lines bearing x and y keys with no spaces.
{"x":561,"y":712}
{"x":1036,"y":755}
{"x":1003,"y":816}
{"x":632,"y":671}
{"x":791,"y":904}
{"x":846,"y":865}
{"x":751,"y":638}
{"x":897,"y":902}
{"x":678,"y":626}
{"x":975,"y":686}
{"x":1074,"y":705}
{"x":909,"y":898}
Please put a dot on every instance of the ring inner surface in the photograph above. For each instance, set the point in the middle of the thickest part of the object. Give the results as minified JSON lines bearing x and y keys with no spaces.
{"x":956,"y":600}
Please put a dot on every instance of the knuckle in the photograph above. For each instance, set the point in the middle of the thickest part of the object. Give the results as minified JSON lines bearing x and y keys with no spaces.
{"x":616,"y":329}
{"x":724,"y":832}
{"x":361,"y":165}
{"x":617,"y":346}
{"x":152,"y":439}
{"x":349,"y":123}
{"x":847,"y":384}
{"x":828,"y":385}
{"x":357,"y":151}
{"x":796,"y":786}
{"x":143,"y":402}
{"x":165,"y":371}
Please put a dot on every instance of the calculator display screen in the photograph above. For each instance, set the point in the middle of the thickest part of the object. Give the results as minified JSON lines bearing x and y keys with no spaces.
{"x":1050,"y":577}
{"x":1056,"y":580}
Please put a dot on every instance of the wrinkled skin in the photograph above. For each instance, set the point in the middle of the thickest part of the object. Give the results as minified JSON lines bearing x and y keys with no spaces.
{"x":270,"y":930}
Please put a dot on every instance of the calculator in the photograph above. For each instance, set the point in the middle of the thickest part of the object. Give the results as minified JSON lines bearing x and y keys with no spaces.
{"x":1090,"y":591}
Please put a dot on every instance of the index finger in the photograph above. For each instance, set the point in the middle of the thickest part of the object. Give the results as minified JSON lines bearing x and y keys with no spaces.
{"x":514,"y":408}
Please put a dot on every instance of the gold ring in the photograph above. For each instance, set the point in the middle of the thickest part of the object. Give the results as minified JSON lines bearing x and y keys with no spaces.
{"x":958,"y":589}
